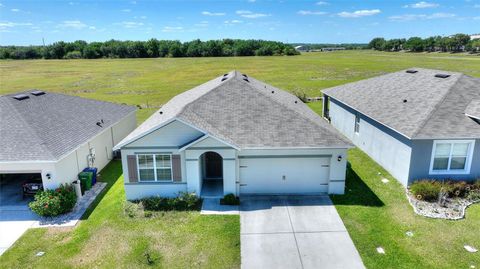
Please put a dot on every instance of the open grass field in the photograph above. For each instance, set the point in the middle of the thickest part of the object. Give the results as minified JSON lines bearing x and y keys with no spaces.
{"x":375,"y":214}
{"x":152,"y":82}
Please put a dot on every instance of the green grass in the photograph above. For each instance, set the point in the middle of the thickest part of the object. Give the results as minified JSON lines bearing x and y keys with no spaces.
{"x":378,"y":214}
{"x":152,"y":82}
{"x":374,"y":213}
{"x":107,"y":238}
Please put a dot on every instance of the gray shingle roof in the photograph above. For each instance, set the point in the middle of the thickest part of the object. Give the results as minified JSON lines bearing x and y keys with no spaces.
{"x":418,"y":105}
{"x":246,"y":114}
{"x":45,"y":127}
{"x":473,"y":109}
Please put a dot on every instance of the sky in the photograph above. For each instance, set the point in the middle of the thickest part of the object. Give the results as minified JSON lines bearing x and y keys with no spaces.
{"x":346,"y":21}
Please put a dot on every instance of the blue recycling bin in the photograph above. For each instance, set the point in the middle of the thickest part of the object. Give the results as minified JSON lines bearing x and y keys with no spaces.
{"x":94,"y":171}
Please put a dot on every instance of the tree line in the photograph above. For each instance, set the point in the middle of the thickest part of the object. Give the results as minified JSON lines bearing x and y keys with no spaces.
{"x":152,"y":48}
{"x":454,"y":43}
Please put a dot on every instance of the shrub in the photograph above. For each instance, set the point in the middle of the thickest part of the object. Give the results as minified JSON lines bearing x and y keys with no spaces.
{"x":230,"y":199}
{"x":183,"y":202}
{"x":474,"y":195}
{"x":54,"y":202}
{"x":476,"y":185}
{"x":132,"y":210}
{"x":426,"y":190}
{"x":458,"y":189}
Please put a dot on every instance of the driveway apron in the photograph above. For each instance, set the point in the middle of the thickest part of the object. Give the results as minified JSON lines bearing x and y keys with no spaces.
{"x":294,"y":232}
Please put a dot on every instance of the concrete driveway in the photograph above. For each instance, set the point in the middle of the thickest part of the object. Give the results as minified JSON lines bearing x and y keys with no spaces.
{"x":294,"y":232}
{"x":15,"y":216}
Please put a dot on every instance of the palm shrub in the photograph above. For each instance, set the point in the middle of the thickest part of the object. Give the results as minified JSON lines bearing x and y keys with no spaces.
{"x":426,"y":190}
{"x":51,"y":203}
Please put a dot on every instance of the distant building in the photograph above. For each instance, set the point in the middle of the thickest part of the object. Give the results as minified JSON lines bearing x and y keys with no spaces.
{"x":301,"y":48}
{"x":333,"y":48}
{"x":474,"y":36}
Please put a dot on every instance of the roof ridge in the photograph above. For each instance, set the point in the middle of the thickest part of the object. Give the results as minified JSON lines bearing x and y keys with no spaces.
{"x":436,"y":106}
{"x":292,"y":108}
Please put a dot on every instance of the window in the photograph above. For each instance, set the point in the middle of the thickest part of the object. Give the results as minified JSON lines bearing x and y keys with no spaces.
{"x":357,"y":123}
{"x":451,"y":157}
{"x":154,"y":167}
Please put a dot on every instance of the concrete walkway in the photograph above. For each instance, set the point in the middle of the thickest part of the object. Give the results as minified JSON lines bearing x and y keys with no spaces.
{"x":294,"y":232}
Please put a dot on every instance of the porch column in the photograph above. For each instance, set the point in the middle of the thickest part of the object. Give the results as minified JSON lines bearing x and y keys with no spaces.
{"x":193,"y":176}
{"x":229,"y":178}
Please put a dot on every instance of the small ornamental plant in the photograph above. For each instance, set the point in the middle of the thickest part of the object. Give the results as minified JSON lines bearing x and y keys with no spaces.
{"x":230,"y":199}
{"x":50,"y":203}
{"x":432,"y":190}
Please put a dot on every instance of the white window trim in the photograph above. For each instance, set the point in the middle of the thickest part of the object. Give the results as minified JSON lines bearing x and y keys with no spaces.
{"x":468,"y":162}
{"x":155,"y":168}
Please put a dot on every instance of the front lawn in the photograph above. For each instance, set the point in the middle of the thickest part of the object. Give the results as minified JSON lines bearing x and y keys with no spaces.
{"x":107,"y":238}
{"x":378,"y":214}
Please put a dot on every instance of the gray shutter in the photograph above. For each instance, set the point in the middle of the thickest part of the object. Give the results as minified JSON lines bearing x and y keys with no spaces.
{"x":176,"y":168}
{"x":132,"y":168}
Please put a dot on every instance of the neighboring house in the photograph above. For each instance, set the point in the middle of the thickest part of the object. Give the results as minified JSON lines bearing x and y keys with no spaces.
{"x":416,"y":123}
{"x":234,"y":134}
{"x":333,"y":48}
{"x":302,"y":48}
{"x":474,"y":36}
{"x":55,"y":136}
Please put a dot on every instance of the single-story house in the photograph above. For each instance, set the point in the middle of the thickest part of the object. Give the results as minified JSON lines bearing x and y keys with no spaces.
{"x":234,"y":134}
{"x":416,"y":123}
{"x":55,"y":136}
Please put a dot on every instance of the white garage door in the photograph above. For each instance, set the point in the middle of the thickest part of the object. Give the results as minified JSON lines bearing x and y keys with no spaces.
{"x":284,"y":175}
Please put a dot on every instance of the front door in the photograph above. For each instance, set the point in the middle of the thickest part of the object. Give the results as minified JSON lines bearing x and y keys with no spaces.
{"x":213,"y":165}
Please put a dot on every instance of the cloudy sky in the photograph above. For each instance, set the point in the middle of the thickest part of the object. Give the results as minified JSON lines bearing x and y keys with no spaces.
{"x":27,"y":22}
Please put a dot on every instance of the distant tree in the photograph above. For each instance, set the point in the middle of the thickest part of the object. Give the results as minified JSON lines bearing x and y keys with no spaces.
{"x":474,"y":45}
{"x":73,"y":55}
{"x":459,"y":41}
{"x":429,"y":44}
{"x":194,"y":48}
{"x":213,"y":48}
{"x":415,"y":44}
{"x":92,"y":50}
{"x":152,"y":47}
{"x":58,"y":50}
{"x":175,"y":49}
{"x":163,"y":48}
{"x":377,"y":43}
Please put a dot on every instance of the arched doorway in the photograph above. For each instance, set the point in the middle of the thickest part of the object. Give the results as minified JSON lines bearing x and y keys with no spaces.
{"x":211,"y":171}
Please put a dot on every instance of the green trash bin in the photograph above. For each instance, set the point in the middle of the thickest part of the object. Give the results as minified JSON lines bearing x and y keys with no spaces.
{"x":85,"y":180}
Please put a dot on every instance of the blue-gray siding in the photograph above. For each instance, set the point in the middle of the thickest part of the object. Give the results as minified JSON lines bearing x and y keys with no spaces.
{"x":388,"y":148}
{"x":407,"y":160}
{"x":421,"y":157}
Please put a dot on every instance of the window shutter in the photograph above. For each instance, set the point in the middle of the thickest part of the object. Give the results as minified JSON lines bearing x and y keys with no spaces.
{"x":132,"y":168}
{"x":176,"y":168}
